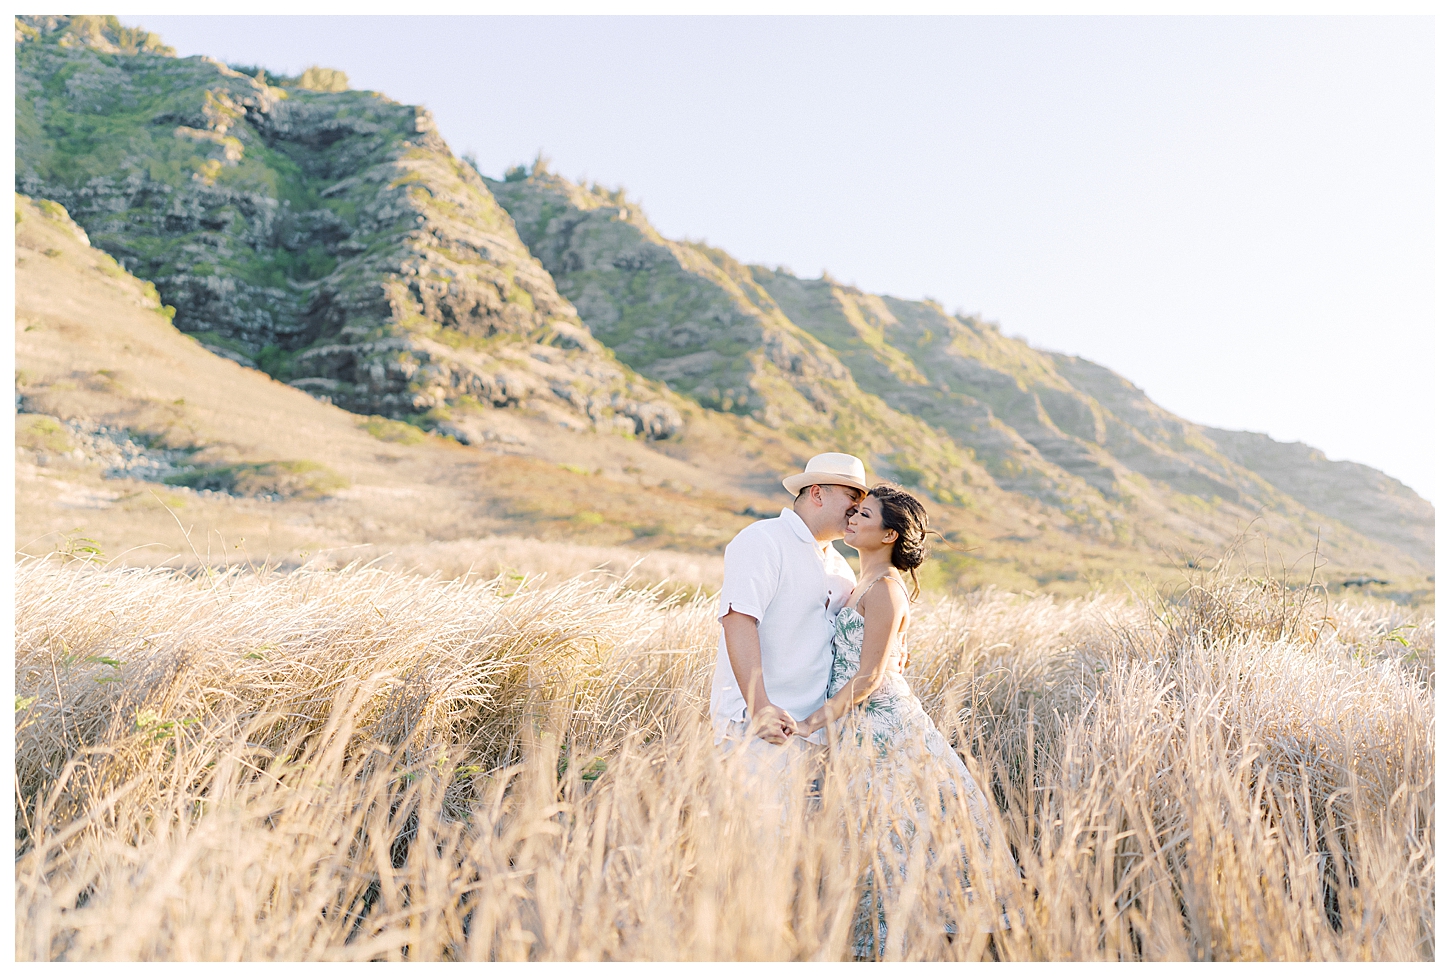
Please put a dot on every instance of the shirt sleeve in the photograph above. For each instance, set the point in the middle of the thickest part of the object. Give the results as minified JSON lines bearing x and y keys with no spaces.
{"x":752,"y":574}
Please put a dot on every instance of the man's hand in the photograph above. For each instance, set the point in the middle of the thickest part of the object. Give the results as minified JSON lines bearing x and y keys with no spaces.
{"x":773,"y":724}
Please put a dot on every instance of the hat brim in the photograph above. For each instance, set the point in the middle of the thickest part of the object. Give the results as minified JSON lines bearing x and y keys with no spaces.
{"x":794,"y":483}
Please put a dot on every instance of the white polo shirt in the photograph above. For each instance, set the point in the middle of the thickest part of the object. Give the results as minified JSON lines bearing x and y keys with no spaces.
{"x":777,"y":572}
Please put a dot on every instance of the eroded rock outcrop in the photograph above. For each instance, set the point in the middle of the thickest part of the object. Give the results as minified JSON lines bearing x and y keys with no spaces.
{"x":332,"y":238}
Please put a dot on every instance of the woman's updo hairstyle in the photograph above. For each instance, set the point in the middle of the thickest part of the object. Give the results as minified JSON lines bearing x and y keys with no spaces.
{"x":900,"y":511}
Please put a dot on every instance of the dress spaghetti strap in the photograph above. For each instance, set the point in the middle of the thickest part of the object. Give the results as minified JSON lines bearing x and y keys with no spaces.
{"x":856,"y":604}
{"x":897,"y":581}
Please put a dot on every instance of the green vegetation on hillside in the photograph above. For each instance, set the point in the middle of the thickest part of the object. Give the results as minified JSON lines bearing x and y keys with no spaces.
{"x":270,"y":479}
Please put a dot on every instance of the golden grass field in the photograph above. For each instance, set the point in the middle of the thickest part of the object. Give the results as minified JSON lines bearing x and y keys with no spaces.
{"x":366,"y":764}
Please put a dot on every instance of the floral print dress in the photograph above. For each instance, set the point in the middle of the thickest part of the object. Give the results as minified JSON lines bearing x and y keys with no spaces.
{"x":903,"y":740}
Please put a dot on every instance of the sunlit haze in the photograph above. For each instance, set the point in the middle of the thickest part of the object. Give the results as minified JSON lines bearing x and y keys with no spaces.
{"x":1234,"y":213}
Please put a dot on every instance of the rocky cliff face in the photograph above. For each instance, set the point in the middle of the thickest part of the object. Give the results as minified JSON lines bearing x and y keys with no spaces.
{"x":330,"y":237}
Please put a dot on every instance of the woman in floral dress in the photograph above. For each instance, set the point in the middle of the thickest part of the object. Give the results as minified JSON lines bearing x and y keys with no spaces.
{"x":870,"y":706}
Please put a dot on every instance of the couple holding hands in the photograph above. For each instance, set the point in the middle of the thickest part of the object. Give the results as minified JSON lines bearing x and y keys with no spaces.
{"x":806,"y":648}
{"x":803,"y":643}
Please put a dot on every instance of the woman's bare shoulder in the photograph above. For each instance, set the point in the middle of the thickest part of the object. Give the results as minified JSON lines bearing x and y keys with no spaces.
{"x":884,"y":598}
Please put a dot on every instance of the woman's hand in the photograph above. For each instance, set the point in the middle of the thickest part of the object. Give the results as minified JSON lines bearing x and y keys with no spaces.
{"x":813,"y":722}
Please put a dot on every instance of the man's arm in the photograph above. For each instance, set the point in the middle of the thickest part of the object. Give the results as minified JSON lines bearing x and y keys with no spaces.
{"x":742,"y":646}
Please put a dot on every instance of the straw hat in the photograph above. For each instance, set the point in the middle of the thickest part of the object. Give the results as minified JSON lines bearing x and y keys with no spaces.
{"x":830,"y":468}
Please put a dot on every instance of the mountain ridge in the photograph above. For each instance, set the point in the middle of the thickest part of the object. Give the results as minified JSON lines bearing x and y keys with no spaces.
{"x":332,"y":239}
{"x":1063,"y":431}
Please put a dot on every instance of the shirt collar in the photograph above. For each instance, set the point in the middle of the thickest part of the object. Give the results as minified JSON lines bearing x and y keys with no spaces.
{"x":798,"y":524}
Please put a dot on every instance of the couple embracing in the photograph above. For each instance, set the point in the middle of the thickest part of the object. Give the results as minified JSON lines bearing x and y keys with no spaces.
{"x":807,"y":649}
{"x":804,"y":645}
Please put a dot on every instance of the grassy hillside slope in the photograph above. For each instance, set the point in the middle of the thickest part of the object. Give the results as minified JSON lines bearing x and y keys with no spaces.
{"x":1377,"y":505}
{"x":694,"y":318}
{"x":126,"y":422}
{"x":330,"y":239}
{"x":1061,"y":441}
{"x":133,"y":434}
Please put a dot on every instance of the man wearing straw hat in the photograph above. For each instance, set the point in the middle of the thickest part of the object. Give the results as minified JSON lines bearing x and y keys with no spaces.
{"x":784,"y":583}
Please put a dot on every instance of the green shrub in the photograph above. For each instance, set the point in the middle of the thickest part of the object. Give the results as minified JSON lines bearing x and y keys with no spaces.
{"x":288,"y":479}
{"x":396,"y":432}
{"x":41,"y":432}
{"x":308,"y":265}
{"x":275,"y":362}
{"x":52,"y":209}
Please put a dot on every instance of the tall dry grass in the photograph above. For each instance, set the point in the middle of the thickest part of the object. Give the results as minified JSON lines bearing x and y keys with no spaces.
{"x":362,"y":764}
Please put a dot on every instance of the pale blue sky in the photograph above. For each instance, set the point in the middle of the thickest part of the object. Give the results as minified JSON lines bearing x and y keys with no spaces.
{"x":1233,"y":213}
